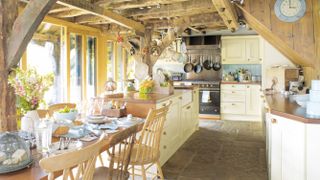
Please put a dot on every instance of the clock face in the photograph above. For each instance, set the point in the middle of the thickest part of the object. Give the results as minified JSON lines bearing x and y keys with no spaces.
{"x":290,"y":10}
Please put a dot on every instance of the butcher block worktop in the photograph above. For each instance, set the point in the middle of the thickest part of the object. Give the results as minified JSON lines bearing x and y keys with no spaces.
{"x":284,"y":106}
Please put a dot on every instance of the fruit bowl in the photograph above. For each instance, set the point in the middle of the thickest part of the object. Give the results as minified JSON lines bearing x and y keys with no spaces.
{"x":71,"y":115}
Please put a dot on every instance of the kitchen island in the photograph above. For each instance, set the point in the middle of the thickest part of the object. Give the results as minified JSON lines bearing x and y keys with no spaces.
{"x":182,"y":119}
{"x":292,"y":140}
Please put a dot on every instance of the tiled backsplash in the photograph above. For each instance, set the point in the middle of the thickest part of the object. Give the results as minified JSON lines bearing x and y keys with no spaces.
{"x":255,"y":69}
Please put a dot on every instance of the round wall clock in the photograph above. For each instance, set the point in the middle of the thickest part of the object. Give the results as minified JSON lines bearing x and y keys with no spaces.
{"x":290,"y":10}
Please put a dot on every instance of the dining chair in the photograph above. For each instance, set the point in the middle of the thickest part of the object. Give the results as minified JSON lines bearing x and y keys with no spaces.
{"x":118,"y":162}
{"x":146,"y":150}
{"x":84,"y":160}
{"x":56,"y":107}
{"x":42,"y":113}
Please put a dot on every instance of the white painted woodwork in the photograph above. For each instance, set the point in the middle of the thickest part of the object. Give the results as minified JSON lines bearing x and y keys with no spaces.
{"x":253,"y":99}
{"x":242,"y":50}
{"x":243,"y":102}
{"x":182,"y":121}
{"x":292,"y":149}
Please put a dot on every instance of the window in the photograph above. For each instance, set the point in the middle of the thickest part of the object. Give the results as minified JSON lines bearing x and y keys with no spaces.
{"x":75,"y":67}
{"x":110,"y":61}
{"x":91,"y":67}
{"x":43,"y":54}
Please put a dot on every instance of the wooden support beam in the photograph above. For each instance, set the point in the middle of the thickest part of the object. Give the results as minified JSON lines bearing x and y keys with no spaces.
{"x":316,"y":25}
{"x":70,"y":13}
{"x":173,"y":10}
{"x":106,"y":14}
{"x":59,"y":9}
{"x":275,"y":40}
{"x":194,"y":29}
{"x":46,"y":37}
{"x":138,"y":4}
{"x":24,"y":27}
{"x":90,"y":19}
{"x":227,"y":12}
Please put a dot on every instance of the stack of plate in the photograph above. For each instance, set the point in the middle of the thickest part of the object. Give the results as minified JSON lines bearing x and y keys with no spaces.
{"x":314,"y":97}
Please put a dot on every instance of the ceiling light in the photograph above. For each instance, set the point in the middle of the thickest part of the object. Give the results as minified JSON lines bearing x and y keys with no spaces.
{"x":149,"y":7}
{"x":141,"y":8}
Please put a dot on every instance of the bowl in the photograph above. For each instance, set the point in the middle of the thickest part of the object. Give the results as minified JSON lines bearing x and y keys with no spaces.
{"x":69,"y":115}
{"x":301,"y":99}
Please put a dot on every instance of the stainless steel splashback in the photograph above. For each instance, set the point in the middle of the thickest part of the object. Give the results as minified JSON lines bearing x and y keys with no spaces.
{"x":207,"y":51}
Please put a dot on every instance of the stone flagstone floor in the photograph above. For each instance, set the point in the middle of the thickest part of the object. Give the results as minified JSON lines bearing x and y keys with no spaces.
{"x":221,"y":150}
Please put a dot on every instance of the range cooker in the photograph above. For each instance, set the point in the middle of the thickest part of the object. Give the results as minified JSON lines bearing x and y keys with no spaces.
{"x":209,"y":96}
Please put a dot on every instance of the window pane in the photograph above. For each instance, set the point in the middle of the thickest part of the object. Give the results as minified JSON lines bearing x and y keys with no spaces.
{"x":43,"y":54}
{"x":75,"y":67}
{"x":110,"y":61}
{"x":91,"y":66}
{"x":120,"y":68}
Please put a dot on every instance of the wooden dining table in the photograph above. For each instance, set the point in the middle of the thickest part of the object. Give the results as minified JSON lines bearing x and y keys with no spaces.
{"x":34,"y":172}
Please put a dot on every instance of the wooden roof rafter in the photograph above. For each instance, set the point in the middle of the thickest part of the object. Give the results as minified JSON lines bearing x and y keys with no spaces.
{"x":122,"y":5}
{"x":228,"y":13}
{"x":90,"y":8}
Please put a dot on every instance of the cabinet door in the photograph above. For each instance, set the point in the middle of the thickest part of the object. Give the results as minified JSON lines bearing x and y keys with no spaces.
{"x":195,"y":108}
{"x":233,"y":51}
{"x":253,"y":51}
{"x":253,"y":100}
{"x":293,"y":150}
{"x":276,"y":148}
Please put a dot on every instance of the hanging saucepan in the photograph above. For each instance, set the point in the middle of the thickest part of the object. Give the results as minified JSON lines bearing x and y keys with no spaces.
{"x":216,"y":65}
{"x":198,"y":67}
{"x":188,"y":67}
{"x":207,"y":64}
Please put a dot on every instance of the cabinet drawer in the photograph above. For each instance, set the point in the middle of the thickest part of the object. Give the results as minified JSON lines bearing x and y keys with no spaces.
{"x":232,"y":87}
{"x":232,"y":96}
{"x":233,"y":108}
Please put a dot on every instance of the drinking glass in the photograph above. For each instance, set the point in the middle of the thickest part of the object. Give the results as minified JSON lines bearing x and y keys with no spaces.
{"x":43,"y":134}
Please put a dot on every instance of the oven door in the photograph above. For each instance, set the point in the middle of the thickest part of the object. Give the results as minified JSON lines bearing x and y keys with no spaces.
{"x":209,"y":101}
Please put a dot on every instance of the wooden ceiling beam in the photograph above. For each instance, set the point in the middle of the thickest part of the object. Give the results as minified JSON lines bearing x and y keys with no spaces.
{"x":106,"y":14}
{"x":70,"y":13}
{"x":45,"y":37}
{"x":59,"y":9}
{"x":90,"y":19}
{"x":196,"y":20}
{"x":177,"y":13}
{"x":169,"y":10}
{"x":140,"y":4}
{"x":228,"y":13}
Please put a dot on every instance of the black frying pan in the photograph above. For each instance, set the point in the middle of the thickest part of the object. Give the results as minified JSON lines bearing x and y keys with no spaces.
{"x":216,"y":65}
{"x":188,"y":67}
{"x":207,"y":64}
{"x":198,"y":68}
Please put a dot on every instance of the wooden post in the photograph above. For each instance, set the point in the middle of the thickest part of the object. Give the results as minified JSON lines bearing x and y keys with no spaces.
{"x":8,"y":14}
{"x":147,"y":44}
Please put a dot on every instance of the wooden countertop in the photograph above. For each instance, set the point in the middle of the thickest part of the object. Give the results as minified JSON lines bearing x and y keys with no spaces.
{"x":236,"y":82}
{"x":136,"y":97}
{"x":286,"y":107}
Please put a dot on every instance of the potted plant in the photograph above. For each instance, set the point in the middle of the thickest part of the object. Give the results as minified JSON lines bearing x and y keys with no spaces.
{"x":30,"y":88}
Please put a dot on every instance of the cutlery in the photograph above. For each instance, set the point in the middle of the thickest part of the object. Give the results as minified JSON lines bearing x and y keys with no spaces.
{"x":60,"y":143}
{"x":68,"y":142}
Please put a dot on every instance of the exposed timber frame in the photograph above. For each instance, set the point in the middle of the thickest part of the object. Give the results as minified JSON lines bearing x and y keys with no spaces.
{"x":228,"y":13}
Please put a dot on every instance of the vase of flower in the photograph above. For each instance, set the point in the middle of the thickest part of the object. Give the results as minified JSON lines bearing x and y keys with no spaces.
{"x":30,"y":88}
{"x":28,"y":121}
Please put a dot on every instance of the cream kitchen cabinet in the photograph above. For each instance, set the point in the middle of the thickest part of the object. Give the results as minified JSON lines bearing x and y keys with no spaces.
{"x":181,"y":122}
{"x":241,"y":102}
{"x":287,"y":148}
{"x":241,"y":50}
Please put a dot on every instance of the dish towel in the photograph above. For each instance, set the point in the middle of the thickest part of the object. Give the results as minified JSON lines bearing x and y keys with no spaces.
{"x":205,"y":97}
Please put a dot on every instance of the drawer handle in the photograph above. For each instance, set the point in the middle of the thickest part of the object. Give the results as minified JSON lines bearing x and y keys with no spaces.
{"x":262,"y":96}
{"x":233,"y":92}
{"x":164,"y":133}
{"x":164,"y":147}
{"x":248,"y":86}
{"x":180,"y":97}
{"x":273,"y":121}
{"x":164,"y":104}
{"x":232,"y":86}
{"x":248,"y":59}
{"x":233,"y":104}
{"x":188,"y":107}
